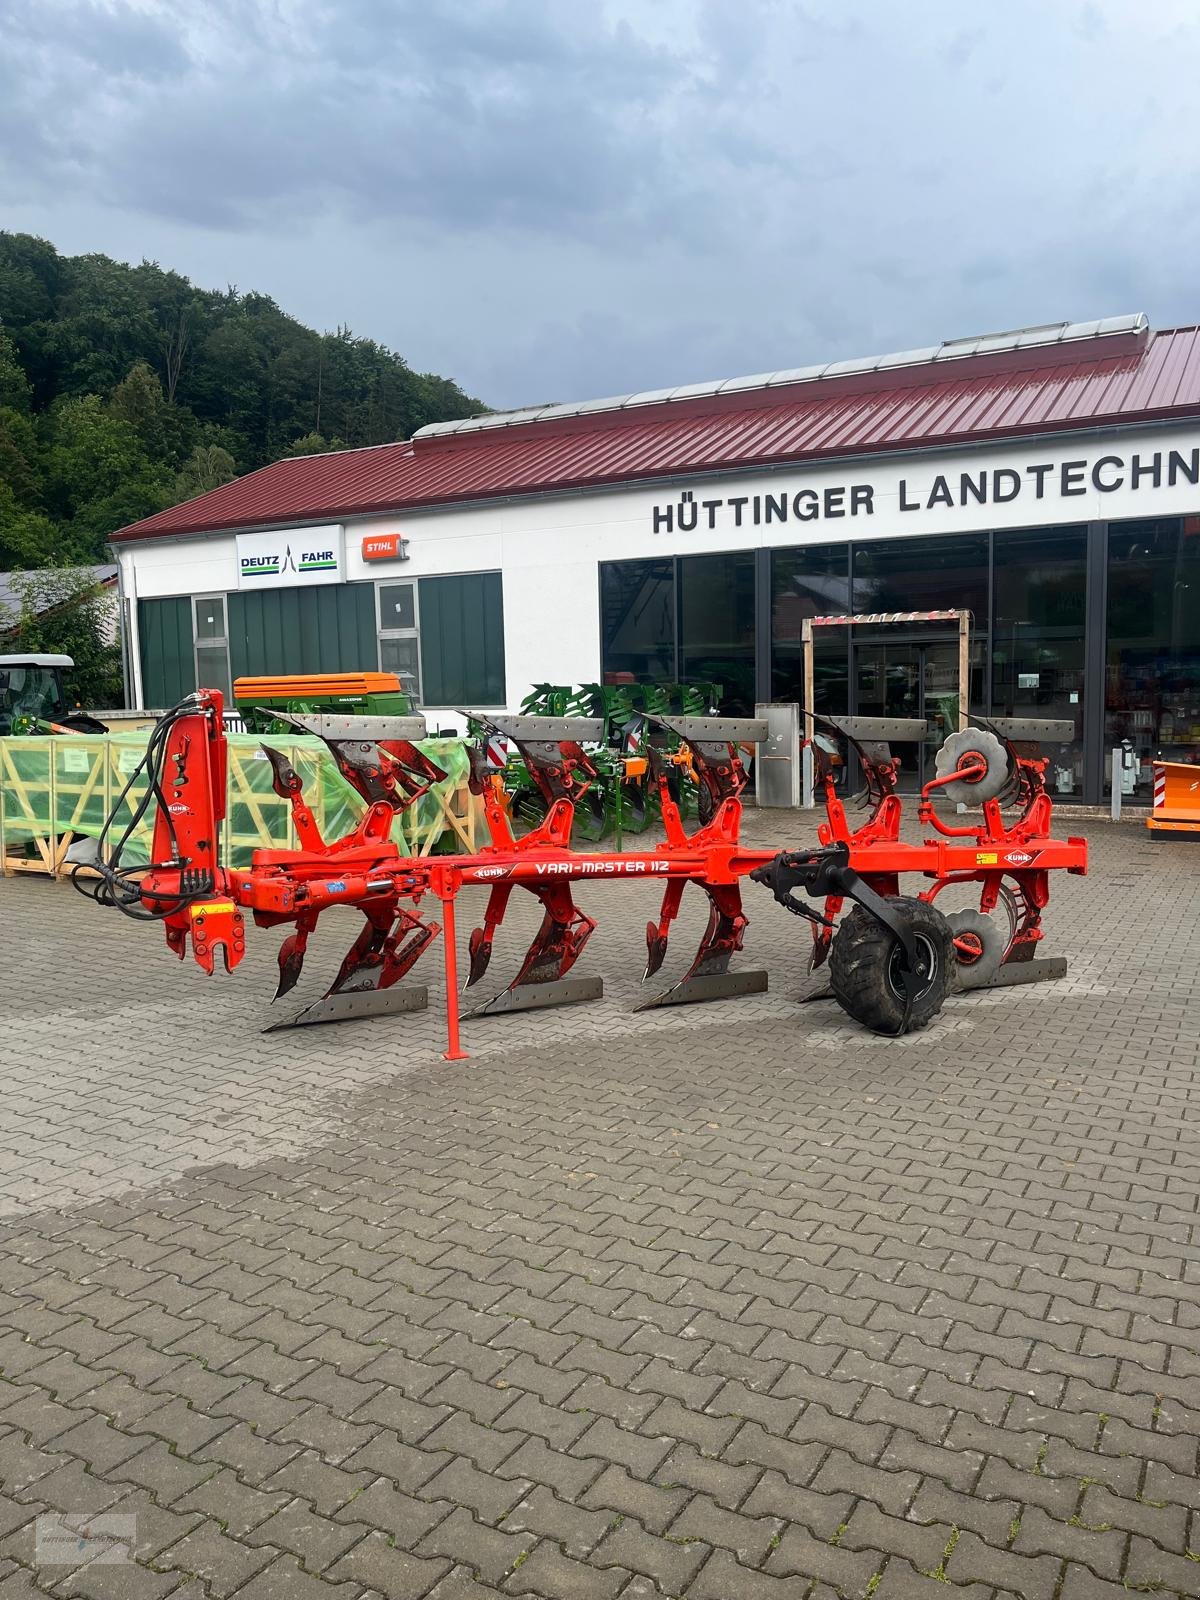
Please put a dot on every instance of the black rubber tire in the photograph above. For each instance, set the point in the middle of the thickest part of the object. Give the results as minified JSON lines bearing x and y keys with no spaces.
{"x":862,"y":967}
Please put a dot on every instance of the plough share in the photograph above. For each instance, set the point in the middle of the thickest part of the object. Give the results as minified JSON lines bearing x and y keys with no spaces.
{"x":892,"y":960}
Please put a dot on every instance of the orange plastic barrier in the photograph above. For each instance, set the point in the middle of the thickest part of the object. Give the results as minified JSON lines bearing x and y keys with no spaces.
{"x":1176,"y":797}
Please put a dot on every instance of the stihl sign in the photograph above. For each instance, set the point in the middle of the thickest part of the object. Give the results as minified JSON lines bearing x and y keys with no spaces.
{"x":384,"y":547}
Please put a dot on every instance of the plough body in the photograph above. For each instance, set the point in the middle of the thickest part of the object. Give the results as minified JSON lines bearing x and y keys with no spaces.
{"x":907,"y":950}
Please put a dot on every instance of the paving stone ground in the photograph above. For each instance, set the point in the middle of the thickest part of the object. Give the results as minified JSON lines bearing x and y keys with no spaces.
{"x":732,"y":1301}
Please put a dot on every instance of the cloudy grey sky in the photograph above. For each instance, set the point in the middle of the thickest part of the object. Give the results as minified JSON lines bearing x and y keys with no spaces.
{"x":556,"y":199}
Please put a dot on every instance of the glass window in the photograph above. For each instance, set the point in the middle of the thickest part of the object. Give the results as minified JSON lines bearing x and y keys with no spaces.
{"x":27,"y":695}
{"x":812,"y":581}
{"x":399,"y":635}
{"x":401,"y":656}
{"x":397,"y":605}
{"x":1152,"y":678}
{"x":210,"y":616}
{"x":211,"y":644}
{"x":1038,"y":595}
{"x":920,"y":574}
{"x":637,"y":609}
{"x":716,"y":627}
{"x":212,"y":668}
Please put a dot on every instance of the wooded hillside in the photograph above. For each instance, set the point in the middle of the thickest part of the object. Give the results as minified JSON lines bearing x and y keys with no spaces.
{"x":127,"y":389}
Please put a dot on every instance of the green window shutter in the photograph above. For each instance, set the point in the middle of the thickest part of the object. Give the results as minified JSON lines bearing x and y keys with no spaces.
{"x":168,"y":661}
{"x":327,"y":628}
{"x":462,"y":640}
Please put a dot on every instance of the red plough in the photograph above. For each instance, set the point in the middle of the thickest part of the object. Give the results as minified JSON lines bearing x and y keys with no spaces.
{"x":892,"y":961}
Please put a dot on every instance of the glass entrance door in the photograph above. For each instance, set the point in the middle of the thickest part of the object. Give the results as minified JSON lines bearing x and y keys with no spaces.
{"x":911,"y":679}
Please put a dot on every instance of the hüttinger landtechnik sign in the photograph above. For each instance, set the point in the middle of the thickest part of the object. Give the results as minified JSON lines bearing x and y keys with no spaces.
{"x":290,"y":557}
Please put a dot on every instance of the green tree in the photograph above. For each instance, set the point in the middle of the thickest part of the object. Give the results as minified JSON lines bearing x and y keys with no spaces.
{"x":138,"y":400}
{"x":313,"y":444}
{"x":125,"y":389}
{"x":20,"y":456}
{"x":29,"y":538}
{"x":208,"y":467}
{"x":15,"y":389}
{"x":65,"y":611}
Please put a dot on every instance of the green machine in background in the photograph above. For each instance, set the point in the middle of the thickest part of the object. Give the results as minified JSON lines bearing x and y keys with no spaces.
{"x":375,"y":694}
{"x":33,"y":699}
{"x":621,"y":799}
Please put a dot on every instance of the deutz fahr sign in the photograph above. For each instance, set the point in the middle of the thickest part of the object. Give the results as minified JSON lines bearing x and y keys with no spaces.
{"x":290,"y":557}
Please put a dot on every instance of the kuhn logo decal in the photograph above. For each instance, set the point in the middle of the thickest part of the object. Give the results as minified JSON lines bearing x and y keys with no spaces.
{"x":178,"y":809}
{"x":490,"y":872}
{"x":1018,"y":858}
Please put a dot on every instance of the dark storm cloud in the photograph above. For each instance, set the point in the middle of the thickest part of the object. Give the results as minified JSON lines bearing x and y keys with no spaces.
{"x":530,"y":115}
{"x":552,"y":199}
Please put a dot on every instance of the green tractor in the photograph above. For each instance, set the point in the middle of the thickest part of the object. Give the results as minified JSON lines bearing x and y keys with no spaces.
{"x":33,"y":700}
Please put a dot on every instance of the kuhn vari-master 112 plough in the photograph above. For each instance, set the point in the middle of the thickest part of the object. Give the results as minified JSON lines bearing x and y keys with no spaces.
{"x":892,"y":959}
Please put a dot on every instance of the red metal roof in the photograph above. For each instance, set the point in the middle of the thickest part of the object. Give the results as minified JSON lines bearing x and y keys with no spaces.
{"x":1148,"y":379}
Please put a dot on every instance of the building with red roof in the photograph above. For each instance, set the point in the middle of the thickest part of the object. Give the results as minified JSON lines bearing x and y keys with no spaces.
{"x":1046,"y":480}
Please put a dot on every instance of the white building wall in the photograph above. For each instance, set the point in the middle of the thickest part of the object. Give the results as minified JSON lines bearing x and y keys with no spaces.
{"x":549,"y":549}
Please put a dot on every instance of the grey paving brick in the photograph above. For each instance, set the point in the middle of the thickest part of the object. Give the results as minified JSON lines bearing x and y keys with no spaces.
{"x":747,"y":1535}
{"x":653,"y":1505}
{"x":570,"y":1476}
{"x":798,"y":1554}
{"x":318,"y":1541}
{"x":237,"y":1506}
{"x":972,"y":1561}
{"x":670,"y":1562}
{"x":488,"y":1551}
{"x":754,"y":1446}
{"x":1094,"y":1545}
{"x":102,"y":1581}
{"x":727,"y":1483}
{"x":540,"y":1511}
{"x":549,"y":1572}
{"x":488,"y":1496}
{"x":723,"y":1577}
{"x":604,"y":1439}
{"x":902,"y":1582}
{"x":822,"y":1514}
{"x":223,"y":1564}
{"x":284,"y":1580}
{"x":922,"y":1544}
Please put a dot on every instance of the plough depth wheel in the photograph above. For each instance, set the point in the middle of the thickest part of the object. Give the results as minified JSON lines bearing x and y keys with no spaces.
{"x":979,"y":946}
{"x":982,"y":761}
{"x":869,"y":976}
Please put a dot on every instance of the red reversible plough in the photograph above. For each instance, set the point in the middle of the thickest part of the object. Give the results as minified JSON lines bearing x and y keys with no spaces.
{"x":892,"y":960}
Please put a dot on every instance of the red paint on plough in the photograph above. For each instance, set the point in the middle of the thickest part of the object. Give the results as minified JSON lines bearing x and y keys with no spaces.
{"x":892,"y":961}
